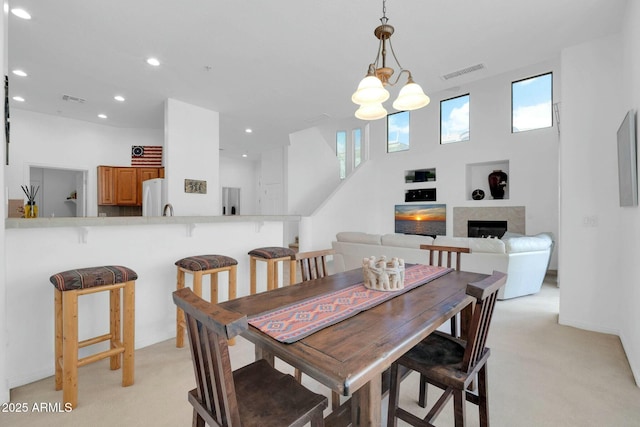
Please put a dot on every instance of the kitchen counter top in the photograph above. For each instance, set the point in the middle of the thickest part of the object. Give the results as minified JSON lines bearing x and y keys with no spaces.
{"x":141,"y":220}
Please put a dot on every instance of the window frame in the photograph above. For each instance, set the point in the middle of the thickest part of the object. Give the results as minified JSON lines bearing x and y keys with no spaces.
{"x":342,"y":161}
{"x":389,"y":118}
{"x":357,"y":159}
{"x":468,"y":119}
{"x":550,"y":74}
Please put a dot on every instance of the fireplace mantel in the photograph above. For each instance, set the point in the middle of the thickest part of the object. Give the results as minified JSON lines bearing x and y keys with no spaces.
{"x":514,"y":215}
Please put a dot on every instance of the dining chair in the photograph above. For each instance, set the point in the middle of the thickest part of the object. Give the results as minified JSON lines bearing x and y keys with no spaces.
{"x":452,"y":364}
{"x":449,"y":253}
{"x":254,"y":395}
{"x":313,"y":265}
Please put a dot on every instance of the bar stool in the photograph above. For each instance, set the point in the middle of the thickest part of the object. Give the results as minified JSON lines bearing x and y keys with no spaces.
{"x":272,"y":256}
{"x":69,"y":285}
{"x":198,"y":266}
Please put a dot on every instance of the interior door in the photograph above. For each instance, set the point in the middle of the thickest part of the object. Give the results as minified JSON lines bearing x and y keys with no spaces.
{"x":272,"y":200}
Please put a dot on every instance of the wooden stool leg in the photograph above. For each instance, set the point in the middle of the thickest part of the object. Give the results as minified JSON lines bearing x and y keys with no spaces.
{"x":197,"y":283}
{"x":233,"y":274}
{"x":272,"y":274}
{"x":232,"y":291}
{"x":180,"y":322}
{"x":114,"y":326}
{"x":252,"y":268}
{"x":70,"y":348}
{"x":128,"y":369}
{"x":58,"y":340}
{"x":292,"y":272}
{"x":214,"y":288}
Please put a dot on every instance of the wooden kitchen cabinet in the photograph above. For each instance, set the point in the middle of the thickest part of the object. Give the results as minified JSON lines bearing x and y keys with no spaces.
{"x":126,"y":186}
{"x":122,"y":186}
{"x":106,"y":186}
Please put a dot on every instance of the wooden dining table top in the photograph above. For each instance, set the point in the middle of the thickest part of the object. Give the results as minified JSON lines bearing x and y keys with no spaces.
{"x":348,"y":355}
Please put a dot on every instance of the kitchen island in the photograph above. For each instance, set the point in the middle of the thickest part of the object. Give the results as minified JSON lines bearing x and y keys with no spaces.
{"x":37,"y":248}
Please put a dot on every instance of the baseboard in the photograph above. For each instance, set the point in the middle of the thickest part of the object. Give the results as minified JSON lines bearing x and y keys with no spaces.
{"x":587,"y":326}
{"x":155,"y":338}
{"x":33,"y":377}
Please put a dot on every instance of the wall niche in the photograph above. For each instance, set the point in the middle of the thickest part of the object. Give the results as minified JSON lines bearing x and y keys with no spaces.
{"x":477,"y":178}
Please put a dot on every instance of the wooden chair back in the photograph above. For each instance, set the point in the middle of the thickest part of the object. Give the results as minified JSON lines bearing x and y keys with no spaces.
{"x":449,"y":251}
{"x":209,"y":327}
{"x":313,"y":265}
{"x":485,"y":292}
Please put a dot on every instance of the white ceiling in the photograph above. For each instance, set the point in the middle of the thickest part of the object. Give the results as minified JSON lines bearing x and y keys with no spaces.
{"x":274,"y":66}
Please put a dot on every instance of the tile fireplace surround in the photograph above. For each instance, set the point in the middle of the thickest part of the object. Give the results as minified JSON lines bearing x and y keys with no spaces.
{"x":514,"y":215}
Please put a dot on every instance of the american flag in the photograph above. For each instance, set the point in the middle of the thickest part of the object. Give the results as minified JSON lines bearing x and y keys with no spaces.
{"x":146,"y":155}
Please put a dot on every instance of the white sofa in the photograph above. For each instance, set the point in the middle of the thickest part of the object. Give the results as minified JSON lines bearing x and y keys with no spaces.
{"x":525,"y":259}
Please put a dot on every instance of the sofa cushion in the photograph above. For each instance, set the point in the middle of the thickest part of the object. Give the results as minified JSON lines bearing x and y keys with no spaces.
{"x":492,"y":245}
{"x":509,"y":235}
{"x":358,"y":237}
{"x":476,"y":244}
{"x":527,"y":244}
{"x":459,"y":242}
{"x":406,"y":240}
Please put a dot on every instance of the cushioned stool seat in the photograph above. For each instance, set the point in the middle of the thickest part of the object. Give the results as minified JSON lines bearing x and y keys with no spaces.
{"x":272,"y":255}
{"x":68,"y":286}
{"x":198,"y":266}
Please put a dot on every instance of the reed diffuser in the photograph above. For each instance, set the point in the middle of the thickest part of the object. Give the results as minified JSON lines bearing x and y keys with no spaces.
{"x":30,"y":209}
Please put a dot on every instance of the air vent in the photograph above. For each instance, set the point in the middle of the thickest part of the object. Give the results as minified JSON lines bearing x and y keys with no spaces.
{"x":467,"y":70}
{"x":70,"y":98}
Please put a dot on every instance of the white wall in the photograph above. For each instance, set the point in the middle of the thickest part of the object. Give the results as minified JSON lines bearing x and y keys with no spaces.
{"x":599,"y":280}
{"x":313,"y":171}
{"x":366,"y":201}
{"x":192,"y":151}
{"x":590,"y":283}
{"x":240,"y":173}
{"x":4,"y":385}
{"x":42,"y":140}
{"x":629,"y":219}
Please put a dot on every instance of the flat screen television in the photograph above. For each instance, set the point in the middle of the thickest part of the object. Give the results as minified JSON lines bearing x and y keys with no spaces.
{"x":627,"y":161}
{"x":423,"y":219}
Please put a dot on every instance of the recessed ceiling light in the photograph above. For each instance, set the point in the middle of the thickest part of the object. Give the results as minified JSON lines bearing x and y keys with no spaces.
{"x":245,"y":155}
{"x":18,"y":98}
{"x":153,"y":61}
{"x":20,"y":73}
{"x":102,"y":116}
{"x":119,"y":98}
{"x":21,"y":13}
{"x":248,"y":130}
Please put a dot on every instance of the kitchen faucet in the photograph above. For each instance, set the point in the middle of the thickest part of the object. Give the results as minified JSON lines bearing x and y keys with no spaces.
{"x":164,"y":210}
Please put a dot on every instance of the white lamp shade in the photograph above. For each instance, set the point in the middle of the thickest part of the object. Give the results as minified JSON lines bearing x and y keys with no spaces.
{"x":370,"y":91}
{"x":372,"y":111}
{"x":411,"y":97}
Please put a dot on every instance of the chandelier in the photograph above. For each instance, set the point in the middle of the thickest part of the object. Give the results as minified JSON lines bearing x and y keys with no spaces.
{"x":371,"y":92}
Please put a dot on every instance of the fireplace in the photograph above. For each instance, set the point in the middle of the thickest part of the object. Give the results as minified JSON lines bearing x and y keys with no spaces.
{"x":486,"y":228}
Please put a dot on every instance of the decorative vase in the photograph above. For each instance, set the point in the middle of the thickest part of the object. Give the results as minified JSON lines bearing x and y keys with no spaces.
{"x":31,"y":210}
{"x":497,"y":183}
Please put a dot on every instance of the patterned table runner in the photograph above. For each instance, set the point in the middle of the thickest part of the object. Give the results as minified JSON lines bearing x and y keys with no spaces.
{"x":295,"y":321}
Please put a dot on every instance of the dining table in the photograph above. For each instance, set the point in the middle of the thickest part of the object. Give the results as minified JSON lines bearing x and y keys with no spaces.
{"x":352,"y":356}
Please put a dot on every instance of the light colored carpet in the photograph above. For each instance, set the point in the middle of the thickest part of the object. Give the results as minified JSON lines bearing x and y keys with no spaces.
{"x":540,"y":374}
